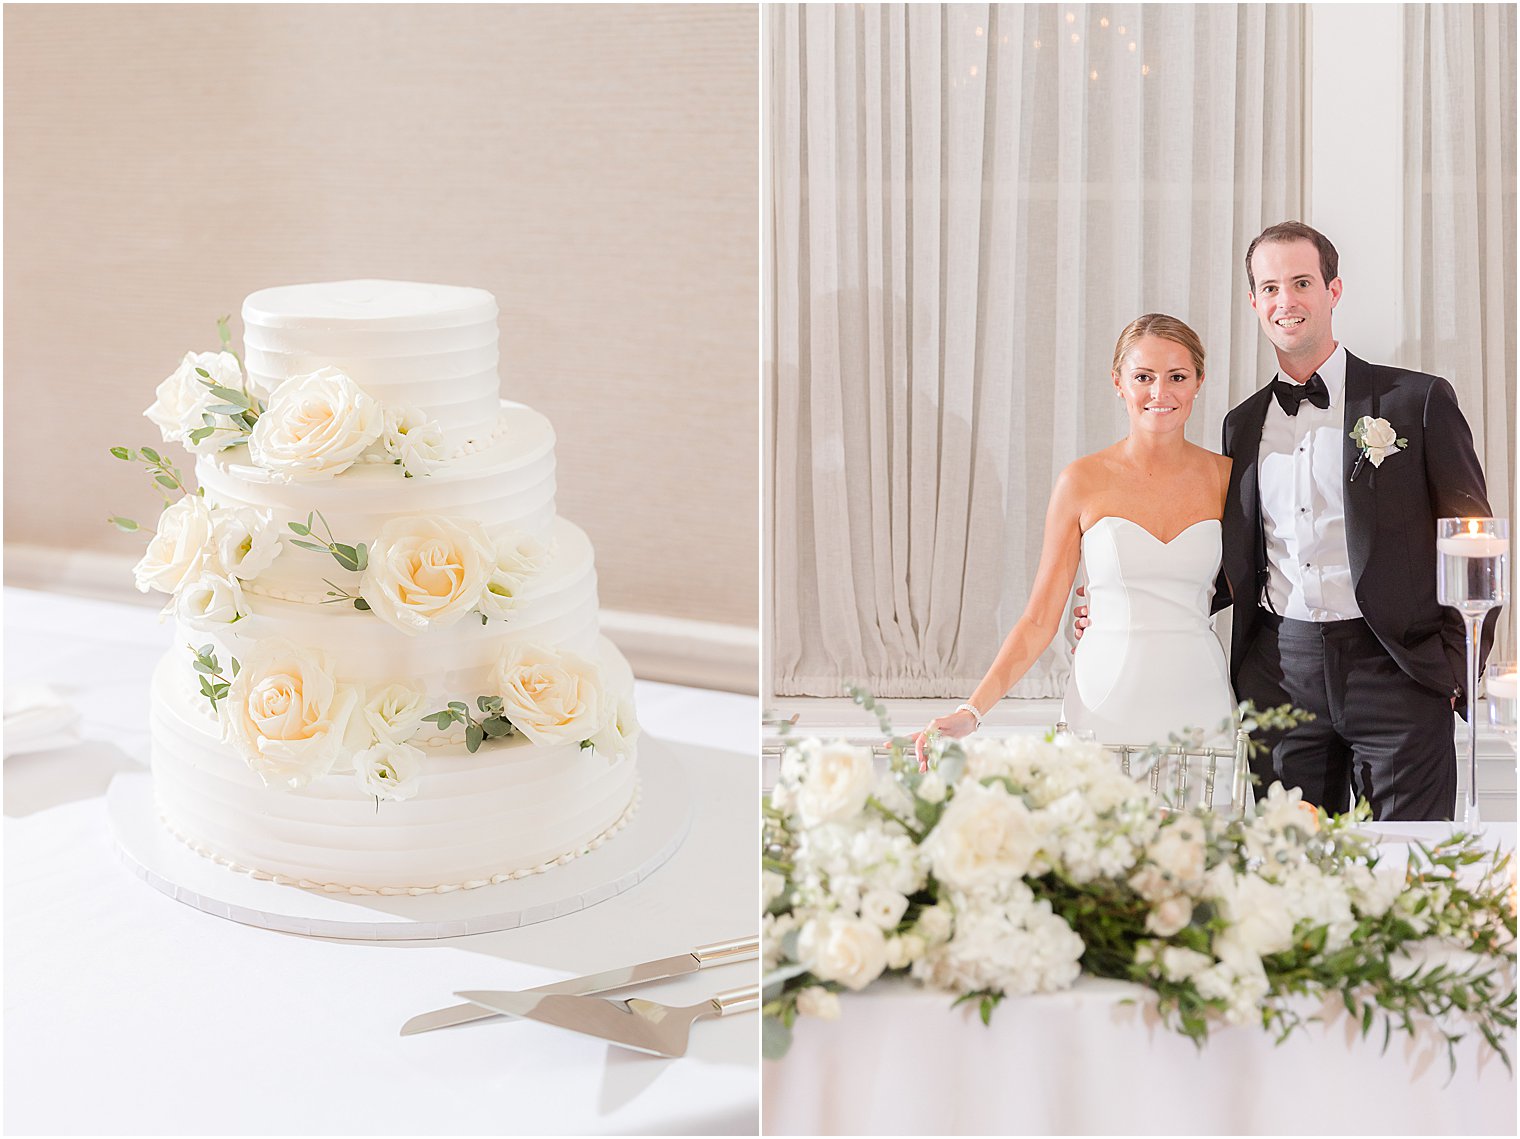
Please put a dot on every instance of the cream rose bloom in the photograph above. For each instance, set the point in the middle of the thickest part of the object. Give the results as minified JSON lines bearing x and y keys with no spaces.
{"x":412,"y":441}
{"x":620,"y":727}
{"x":985,"y":838}
{"x":835,"y":782}
{"x":426,"y":573}
{"x":519,"y":559}
{"x":288,"y":717}
{"x":182,"y":549}
{"x":818,"y":1002}
{"x":835,"y":947}
{"x":182,"y":399}
{"x":246,"y":543}
{"x":314,"y":427}
{"x":210,"y":602}
{"x":1380,"y":438}
{"x":394,"y":713}
{"x":549,"y":696}
{"x":389,"y":770}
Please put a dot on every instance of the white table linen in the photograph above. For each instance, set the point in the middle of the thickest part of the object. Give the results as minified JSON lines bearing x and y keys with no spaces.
{"x":130,"y":1013}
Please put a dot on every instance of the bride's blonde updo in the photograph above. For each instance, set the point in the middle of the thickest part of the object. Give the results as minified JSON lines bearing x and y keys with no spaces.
{"x":1166,"y":327}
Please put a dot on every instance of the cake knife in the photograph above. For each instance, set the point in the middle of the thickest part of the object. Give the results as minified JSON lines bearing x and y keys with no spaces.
{"x":646,"y":1026}
{"x":702,"y":957}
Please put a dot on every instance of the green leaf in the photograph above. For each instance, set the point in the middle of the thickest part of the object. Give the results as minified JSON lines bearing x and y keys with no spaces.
{"x":498,"y":727}
{"x":205,"y":686}
{"x":226,"y":409}
{"x":201,"y":433}
{"x":231,"y":395}
{"x":346,"y":556}
{"x":223,"y":332}
{"x":125,"y":524}
{"x":775,"y":1038}
{"x":121,"y":452}
{"x":489,"y":704}
{"x":361,"y":604}
{"x":151,"y":455}
{"x":203,"y":373}
{"x":235,"y":666}
{"x":458,"y":706}
{"x":361,"y":555}
{"x":474,"y":736}
{"x":165,"y":480}
{"x":309,"y":546}
{"x":299,"y":528}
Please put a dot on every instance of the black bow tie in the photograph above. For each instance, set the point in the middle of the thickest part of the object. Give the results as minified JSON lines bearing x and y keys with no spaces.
{"x":1290,"y":395}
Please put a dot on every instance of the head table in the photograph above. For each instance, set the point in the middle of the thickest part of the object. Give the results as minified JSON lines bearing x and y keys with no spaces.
{"x":127,"y":1012}
{"x":1095,"y":1060}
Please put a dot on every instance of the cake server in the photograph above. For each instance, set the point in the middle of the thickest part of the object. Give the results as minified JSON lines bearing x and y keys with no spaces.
{"x":662,"y":1030}
{"x":702,"y":957}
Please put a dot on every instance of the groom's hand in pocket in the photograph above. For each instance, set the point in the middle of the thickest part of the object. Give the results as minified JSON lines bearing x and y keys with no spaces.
{"x":1079,"y":617}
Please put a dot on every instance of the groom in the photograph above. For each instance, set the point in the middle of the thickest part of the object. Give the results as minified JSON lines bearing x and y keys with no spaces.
{"x":1329,"y":550}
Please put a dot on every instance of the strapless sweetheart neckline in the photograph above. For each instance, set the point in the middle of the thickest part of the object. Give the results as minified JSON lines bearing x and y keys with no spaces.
{"x":1143,"y":530}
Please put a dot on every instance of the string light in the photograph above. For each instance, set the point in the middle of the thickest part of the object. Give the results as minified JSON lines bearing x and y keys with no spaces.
{"x":1036,"y":45}
{"x":1094,"y":75}
{"x":1076,"y":39}
{"x":979,"y":32}
{"x":973,"y":69}
{"x":1103,"y":23}
{"x":1070,"y":18}
{"x":1131,"y":45}
{"x":1121,"y":31}
{"x":1145,"y":69}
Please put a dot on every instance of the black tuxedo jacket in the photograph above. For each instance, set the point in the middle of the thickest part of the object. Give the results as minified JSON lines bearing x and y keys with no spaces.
{"x":1391,"y":514}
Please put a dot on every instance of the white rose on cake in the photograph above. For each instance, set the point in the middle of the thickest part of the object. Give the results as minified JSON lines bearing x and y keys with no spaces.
{"x":246,"y":543}
{"x":620,"y":727}
{"x":181,"y":550}
{"x":519,"y":559}
{"x":394,"y":713}
{"x":389,"y":770}
{"x":426,"y":572}
{"x":315,"y":427}
{"x":551,"y":697}
{"x":288,"y":717}
{"x":210,"y":602}
{"x":412,"y":441}
{"x":183,"y":399}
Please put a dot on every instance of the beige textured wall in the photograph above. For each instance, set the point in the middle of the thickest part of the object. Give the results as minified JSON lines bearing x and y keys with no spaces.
{"x":593,"y":166}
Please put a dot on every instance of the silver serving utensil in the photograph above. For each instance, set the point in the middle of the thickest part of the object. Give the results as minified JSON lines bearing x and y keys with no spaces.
{"x":702,"y":957}
{"x":647,"y":1026}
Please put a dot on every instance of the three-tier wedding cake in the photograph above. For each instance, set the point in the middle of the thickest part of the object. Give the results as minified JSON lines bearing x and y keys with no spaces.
{"x":388,"y":674}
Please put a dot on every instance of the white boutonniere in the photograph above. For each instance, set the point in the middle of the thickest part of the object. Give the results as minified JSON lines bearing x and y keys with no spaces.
{"x":1376,"y":439}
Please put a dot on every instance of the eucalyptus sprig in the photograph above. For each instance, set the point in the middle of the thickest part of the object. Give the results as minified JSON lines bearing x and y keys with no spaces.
{"x":354,"y":558}
{"x":214,"y":683}
{"x":167,"y":479}
{"x":491,"y":726}
{"x":239,"y":407}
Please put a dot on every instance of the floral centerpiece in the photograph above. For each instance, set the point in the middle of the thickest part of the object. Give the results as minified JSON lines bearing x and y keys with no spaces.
{"x":1015,"y":865}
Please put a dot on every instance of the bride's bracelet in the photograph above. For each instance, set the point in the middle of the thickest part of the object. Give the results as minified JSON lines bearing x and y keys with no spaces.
{"x":975,"y":715}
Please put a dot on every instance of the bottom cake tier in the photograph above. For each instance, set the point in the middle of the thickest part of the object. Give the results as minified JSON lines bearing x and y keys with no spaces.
{"x":511,"y":809}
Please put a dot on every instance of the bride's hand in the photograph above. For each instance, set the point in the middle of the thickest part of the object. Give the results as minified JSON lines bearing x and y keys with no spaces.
{"x":1079,"y":621}
{"x":957,"y":725}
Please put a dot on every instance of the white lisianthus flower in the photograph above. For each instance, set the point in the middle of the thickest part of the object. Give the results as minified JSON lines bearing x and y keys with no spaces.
{"x":389,"y":770}
{"x":934,"y":923}
{"x":883,"y":908}
{"x":1178,"y":964}
{"x":412,"y":441}
{"x":394,"y":713}
{"x":552,"y":697}
{"x":1372,"y":893}
{"x":182,"y":549}
{"x":1283,"y":809}
{"x":903,"y":951}
{"x":818,"y":1002}
{"x":985,"y":838}
{"x":210,"y":603}
{"x":519,"y":559}
{"x":620,"y":727}
{"x":425,"y":573}
{"x":836,"y":947}
{"x":182,"y":400}
{"x":288,"y":717}
{"x":1260,"y":921}
{"x":1169,"y":916}
{"x":835,"y":782}
{"x":314,"y":427}
{"x":246,"y":543}
{"x":931,"y":788}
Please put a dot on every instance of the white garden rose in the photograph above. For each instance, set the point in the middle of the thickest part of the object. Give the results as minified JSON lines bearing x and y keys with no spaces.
{"x":210,"y":602}
{"x":620,"y":727}
{"x":519,"y":559}
{"x":931,"y":788}
{"x":816,"y":1001}
{"x":985,"y":838}
{"x":182,"y":400}
{"x":552,"y":697}
{"x":246,"y":542}
{"x":836,"y":947}
{"x":314,"y":427}
{"x":288,"y":717}
{"x":835,"y":782}
{"x":412,"y":441}
{"x":1178,"y":964}
{"x":934,"y":923}
{"x":903,"y":951}
{"x":1259,"y":920}
{"x":1379,"y":437}
{"x":394,"y":713}
{"x":426,"y":573}
{"x":883,"y":908}
{"x":389,"y":770}
{"x":182,"y":549}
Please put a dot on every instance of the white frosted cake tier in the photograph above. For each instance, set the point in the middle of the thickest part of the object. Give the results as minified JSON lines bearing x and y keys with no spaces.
{"x":558,"y":609}
{"x":432,"y":347}
{"x":510,"y":809}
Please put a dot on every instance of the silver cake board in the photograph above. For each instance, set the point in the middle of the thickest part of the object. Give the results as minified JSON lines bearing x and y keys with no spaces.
{"x":655,"y":832}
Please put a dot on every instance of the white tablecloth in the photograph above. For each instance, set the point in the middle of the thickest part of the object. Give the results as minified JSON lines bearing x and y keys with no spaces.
{"x":129,"y":1013}
{"x":1096,"y":1060}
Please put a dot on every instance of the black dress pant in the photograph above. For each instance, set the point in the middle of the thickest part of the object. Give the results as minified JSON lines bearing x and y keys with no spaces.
{"x":1377,"y":734}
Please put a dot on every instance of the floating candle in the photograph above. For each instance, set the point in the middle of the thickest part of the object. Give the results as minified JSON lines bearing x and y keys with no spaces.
{"x":1472,"y":546}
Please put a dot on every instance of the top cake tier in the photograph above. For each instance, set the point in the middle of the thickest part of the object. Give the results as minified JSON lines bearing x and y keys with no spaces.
{"x":429,"y":347}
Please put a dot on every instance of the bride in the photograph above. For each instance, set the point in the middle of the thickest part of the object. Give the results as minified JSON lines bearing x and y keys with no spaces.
{"x":1144,"y":517}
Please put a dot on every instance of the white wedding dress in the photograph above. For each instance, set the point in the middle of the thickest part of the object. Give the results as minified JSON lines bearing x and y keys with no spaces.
{"x":1149,"y":664}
